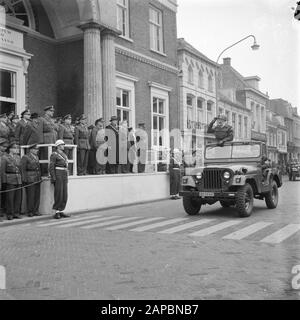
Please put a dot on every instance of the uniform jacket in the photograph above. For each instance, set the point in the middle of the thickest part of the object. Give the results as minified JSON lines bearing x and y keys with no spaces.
{"x":12,"y":132}
{"x":2,"y":154}
{"x":224,"y":133}
{"x":82,"y":137}
{"x":93,"y":137}
{"x":65,"y":133}
{"x":19,"y":132}
{"x":47,"y":127}
{"x":4,"y":131}
{"x":31,"y":134}
{"x":57,"y":160}
{"x":11,"y":170}
{"x":175,"y":163}
{"x":112,"y":132}
{"x":30,"y":168}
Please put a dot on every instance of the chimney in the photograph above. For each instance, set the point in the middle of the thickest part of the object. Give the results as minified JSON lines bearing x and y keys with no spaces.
{"x":227,"y":61}
{"x":253,"y":81}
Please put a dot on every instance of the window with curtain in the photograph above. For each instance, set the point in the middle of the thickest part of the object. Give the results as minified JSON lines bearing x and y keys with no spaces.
{"x":156,"y":30}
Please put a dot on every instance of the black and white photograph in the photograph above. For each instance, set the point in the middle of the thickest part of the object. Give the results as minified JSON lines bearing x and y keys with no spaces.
{"x":149,"y":151}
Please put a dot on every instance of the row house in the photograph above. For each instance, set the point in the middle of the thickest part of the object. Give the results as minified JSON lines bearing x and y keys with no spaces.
{"x":276,"y":138}
{"x":197,"y":90}
{"x":285,"y":109}
{"x":246,"y":92}
{"x":296,"y":133}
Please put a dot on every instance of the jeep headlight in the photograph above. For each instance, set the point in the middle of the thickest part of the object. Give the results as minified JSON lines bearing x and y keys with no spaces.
{"x":226,"y":175}
{"x":199,"y":175}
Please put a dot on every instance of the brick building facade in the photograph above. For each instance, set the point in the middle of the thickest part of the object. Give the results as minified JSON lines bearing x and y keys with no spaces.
{"x":99,"y":57}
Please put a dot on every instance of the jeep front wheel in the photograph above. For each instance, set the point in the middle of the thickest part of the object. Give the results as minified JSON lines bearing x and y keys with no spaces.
{"x":191,"y":205}
{"x":271,"y":197}
{"x":226,"y":204}
{"x":245,"y":200}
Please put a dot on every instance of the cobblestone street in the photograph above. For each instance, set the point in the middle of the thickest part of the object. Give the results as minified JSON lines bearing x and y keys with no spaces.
{"x":155,"y":251}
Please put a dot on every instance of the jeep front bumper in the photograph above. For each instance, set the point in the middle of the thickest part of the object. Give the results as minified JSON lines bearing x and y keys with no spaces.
{"x":217,"y":195}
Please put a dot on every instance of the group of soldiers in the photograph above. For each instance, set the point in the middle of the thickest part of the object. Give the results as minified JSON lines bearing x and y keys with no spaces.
{"x":30,"y":130}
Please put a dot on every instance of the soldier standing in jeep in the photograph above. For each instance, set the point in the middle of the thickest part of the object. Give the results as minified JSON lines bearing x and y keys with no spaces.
{"x":222,"y":131}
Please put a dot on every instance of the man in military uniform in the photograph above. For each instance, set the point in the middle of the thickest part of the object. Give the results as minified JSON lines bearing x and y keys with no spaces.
{"x":48,"y":133}
{"x":65,"y":133}
{"x":58,"y":169}
{"x":31,"y":133}
{"x":3,"y":147}
{"x":12,"y":128}
{"x":83,"y":146}
{"x":21,"y":125}
{"x":222,"y":131}
{"x":112,"y":139}
{"x":92,"y":165}
{"x":31,"y":177}
{"x":11,"y":174}
{"x":4,"y":129}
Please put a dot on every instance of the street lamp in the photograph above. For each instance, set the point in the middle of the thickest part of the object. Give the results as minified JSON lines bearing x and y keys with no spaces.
{"x":255,"y":46}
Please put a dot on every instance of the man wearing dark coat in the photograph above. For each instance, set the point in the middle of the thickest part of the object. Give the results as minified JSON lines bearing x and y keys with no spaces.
{"x":112,"y":139}
{"x":222,"y":131}
{"x":83,"y":146}
{"x":31,"y":177}
{"x":21,"y":125}
{"x":3,"y":147}
{"x":32,"y":133}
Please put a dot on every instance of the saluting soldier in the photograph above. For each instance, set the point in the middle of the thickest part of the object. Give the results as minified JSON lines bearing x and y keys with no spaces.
{"x":83,"y":146}
{"x":142,"y":140}
{"x":31,"y":176}
{"x":32,"y":133}
{"x":222,"y":131}
{"x":21,"y":125}
{"x":4,"y":129}
{"x":58,"y":170}
{"x":174,"y":169}
{"x":66,"y":134}
{"x":11,"y":174}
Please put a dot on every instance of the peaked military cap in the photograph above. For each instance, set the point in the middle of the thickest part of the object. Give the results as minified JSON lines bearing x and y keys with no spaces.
{"x":68,"y":116}
{"x":222,"y":117}
{"x":32,"y":146}
{"x":82,"y":117}
{"x":114,"y":118}
{"x":49,"y":108}
{"x":25,"y":112}
{"x":34,"y":115}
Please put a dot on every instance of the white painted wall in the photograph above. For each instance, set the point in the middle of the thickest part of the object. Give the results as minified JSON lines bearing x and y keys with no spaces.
{"x":97,"y":192}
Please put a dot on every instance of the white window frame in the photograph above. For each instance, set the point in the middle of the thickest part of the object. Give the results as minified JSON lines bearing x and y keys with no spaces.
{"x":201,"y":111}
{"x":156,"y":40}
{"x":208,"y":113}
{"x":162,"y":94}
{"x":126,"y":82}
{"x":200,"y":79}
{"x":124,"y":28}
{"x":190,"y":74}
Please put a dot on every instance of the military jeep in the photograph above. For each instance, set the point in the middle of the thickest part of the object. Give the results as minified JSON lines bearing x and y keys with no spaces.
{"x":234,"y":175}
{"x":294,"y":170}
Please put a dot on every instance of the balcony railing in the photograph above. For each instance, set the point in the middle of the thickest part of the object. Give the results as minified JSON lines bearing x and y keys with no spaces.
{"x":49,"y":148}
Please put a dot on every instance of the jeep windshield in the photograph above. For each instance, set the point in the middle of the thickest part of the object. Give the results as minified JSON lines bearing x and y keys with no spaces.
{"x":233,"y":151}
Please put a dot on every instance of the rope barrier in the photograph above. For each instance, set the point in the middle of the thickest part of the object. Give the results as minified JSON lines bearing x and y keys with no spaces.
{"x":20,"y":188}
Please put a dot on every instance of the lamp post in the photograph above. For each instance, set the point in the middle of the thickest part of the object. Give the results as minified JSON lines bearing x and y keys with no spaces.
{"x":255,"y":46}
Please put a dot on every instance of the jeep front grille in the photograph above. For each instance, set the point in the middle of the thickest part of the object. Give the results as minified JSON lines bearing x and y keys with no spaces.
{"x":212,"y":179}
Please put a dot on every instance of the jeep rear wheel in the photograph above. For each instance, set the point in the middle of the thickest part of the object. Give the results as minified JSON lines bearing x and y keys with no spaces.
{"x":191,"y":205}
{"x":245,"y":200}
{"x":271,"y":197}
